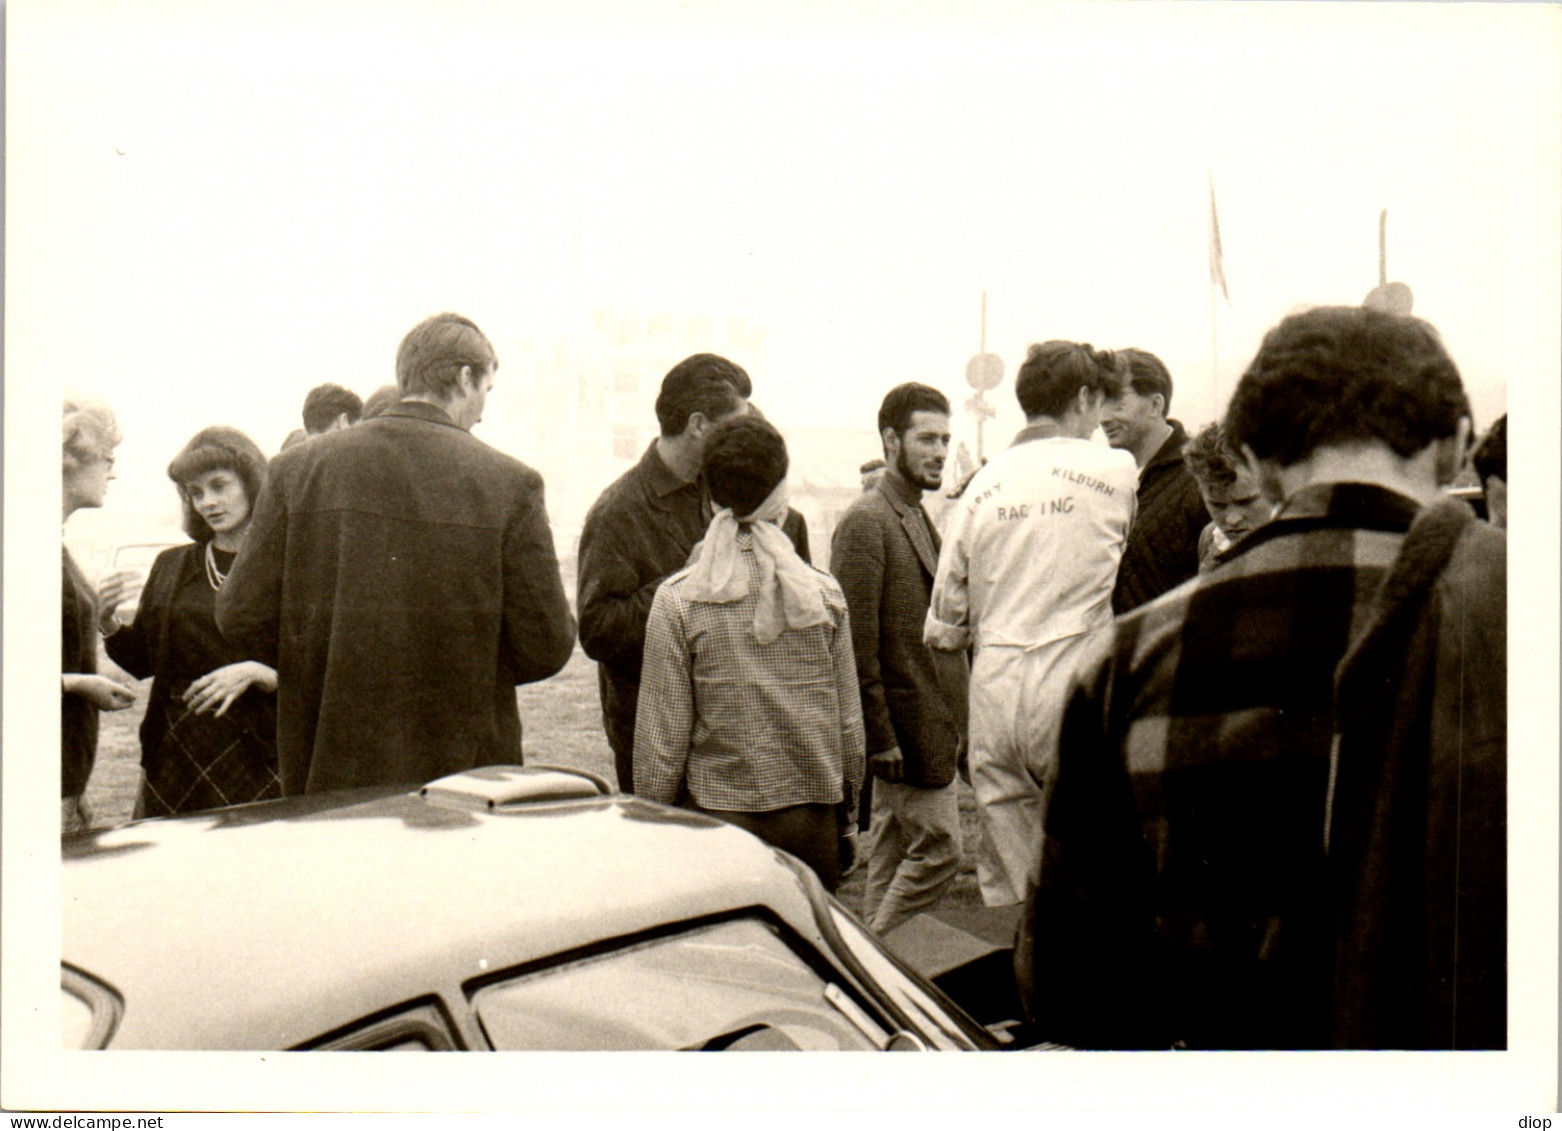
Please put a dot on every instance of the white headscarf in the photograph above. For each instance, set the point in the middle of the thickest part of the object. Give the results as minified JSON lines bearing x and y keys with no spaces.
{"x":789,"y":593}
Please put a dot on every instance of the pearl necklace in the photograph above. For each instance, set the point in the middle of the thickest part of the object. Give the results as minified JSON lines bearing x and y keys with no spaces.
{"x":214,"y":576}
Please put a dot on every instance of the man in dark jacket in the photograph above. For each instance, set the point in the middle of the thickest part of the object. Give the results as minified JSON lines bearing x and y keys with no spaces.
{"x":642,"y":529}
{"x":885,"y":553}
{"x":401,"y":578}
{"x":1187,"y":893}
{"x":1163,"y":546}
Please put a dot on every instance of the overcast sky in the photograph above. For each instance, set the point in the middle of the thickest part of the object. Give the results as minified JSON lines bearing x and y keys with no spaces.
{"x":212,"y":208}
{"x":228,"y":204}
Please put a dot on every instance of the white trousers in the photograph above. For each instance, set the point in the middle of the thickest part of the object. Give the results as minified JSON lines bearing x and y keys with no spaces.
{"x":1017,"y":700}
{"x":914,"y":853}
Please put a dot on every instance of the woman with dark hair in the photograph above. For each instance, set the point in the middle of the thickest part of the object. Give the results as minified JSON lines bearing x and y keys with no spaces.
{"x":209,"y":735}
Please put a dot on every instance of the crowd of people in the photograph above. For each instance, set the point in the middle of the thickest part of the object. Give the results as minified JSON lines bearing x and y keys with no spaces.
{"x":1232,"y":708}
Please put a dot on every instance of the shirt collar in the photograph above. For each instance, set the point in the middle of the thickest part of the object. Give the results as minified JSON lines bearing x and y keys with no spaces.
{"x":420,"y":410}
{"x":1170,"y":450}
{"x":1351,"y":503}
{"x":660,"y":477}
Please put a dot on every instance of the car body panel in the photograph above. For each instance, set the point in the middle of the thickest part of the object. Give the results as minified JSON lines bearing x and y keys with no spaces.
{"x":289,"y":920}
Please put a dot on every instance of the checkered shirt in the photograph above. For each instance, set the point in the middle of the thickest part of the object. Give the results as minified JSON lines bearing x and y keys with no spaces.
{"x":733,"y":724}
{"x":1184,"y":836}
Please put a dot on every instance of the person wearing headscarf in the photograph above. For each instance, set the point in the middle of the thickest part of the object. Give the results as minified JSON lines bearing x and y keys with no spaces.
{"x":749,"y":708}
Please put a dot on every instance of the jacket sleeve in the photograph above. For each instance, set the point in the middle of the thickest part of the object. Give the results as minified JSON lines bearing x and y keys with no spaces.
{"x":249,"y":604}
{"x":664,"y":718}
{"x":948,"y":626}
{"x":853,"y":746}
{"x":134,"y":646}
{"x":539,"y":630}
{"x":857,"y":555}
{"x":614,"y":603}
{"x":1088,"y":926}
{"x":797,"y":530}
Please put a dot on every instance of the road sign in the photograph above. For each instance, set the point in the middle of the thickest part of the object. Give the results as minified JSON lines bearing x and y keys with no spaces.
{"x":984,"y":371}
{"x":1395,"y":298}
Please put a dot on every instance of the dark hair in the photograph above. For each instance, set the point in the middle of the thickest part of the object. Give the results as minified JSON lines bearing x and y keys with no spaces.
{"x":703,"y":383}
{"x":216,"y":449}
{"x":326,"y":402}
{"x":1341,"y":375}
{"x":1210,"y":460}
{"x":1053,"y":373}
{"x":430,"y":357}
{"x":1491,"y":454}
{"x":744,"y":460}
{"x":1147,"y":375}
{"x":380,"y":400}
{"x":904,"y":401}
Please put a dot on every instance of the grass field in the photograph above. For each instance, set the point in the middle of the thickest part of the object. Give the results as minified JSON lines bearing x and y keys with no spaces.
{"x":561,"y":721}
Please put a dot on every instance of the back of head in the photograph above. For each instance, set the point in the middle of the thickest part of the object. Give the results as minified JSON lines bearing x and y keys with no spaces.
{"x":1053,"y":373}
{"x":380,"y":400}
{"x":704,"y":383}
{"x":744,"y":461}
{"x":1491,"y":454}
{"x":216,"y":449}
{"x":1210,"y":459}
{"x":1146,"y":374}
{"x":1342,"y":376}
{"x":904,"y":401}
{"x":429,"y":360}
{"x":325,"y":403}
{"x":90,"y":432}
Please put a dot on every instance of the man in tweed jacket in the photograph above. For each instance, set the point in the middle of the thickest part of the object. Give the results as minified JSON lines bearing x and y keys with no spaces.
{"x":1163,"y":547}
{"x":885,"y":553}
{"x":1187,"y":889}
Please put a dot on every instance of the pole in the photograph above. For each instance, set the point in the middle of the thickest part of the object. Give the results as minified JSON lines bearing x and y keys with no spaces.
{"x":1214,"y":368}
{"x":980,"y":396}
{"x":1383,"y":247}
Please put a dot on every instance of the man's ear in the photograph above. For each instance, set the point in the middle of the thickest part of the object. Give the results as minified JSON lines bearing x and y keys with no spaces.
{"x":889,"y":439}
{"x":1267,"y":473}
{"x":1160,"y":404}
{"x":1452,"y":453}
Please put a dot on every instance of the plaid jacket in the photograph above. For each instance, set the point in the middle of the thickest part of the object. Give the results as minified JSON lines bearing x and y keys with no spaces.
{"x":884,"y":554}
{"x":1163,"y":546}
{"x":1181,"y":895}
{"x":734,"y":724}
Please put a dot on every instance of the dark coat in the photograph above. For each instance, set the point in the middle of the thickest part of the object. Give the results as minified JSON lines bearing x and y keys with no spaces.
{"x":1163,"y":545}
{"x":400,"y":576}
{"x":1418,"y":817}
{"x":885,"y":555}
{"x":78,"y":655}
{"x":638,"y":533}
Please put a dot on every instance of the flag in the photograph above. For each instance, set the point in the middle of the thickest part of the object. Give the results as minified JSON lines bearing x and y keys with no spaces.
{"x":1217,"y":261}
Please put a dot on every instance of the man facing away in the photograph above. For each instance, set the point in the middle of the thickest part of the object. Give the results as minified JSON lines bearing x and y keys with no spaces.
{"x":1025,"y":579}
{"x":1205,"y":856}
{"x":1163,"y":549}
{"x":328,"y":408}
{"x":401,"y":578}
{"x":884,"y":554}
{"x":749,"y":707}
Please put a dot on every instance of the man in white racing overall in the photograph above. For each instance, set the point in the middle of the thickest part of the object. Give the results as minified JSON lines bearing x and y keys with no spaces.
{"x":1025,"y":581}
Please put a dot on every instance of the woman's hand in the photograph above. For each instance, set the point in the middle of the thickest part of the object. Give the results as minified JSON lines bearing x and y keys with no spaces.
{"x":112,"y":592}
{"x":103,"y":693}
{"x":215,"y":691}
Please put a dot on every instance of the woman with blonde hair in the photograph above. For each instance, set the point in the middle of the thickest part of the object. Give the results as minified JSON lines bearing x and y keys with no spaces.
{"x":90,"y":436}
{"x":209,"y":735}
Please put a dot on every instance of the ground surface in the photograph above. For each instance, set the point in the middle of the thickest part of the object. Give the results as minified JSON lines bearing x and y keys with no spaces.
{"x":562,"y":723}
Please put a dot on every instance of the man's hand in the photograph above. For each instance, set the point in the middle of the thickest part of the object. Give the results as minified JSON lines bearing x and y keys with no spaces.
{"x":103,"y":693}
{"x":887,"y":764}
{"x":215,"y":691}
{"x":113,"y":590}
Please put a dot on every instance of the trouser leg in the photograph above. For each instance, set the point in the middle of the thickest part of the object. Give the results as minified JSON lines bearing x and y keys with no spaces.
{"x":929,"y":824}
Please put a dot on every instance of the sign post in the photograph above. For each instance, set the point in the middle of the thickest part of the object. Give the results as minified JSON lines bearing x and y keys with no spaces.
{"x":982,"y":372}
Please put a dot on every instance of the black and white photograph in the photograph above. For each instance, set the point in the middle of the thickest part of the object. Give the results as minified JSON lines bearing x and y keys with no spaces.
{"x":837,"y":528}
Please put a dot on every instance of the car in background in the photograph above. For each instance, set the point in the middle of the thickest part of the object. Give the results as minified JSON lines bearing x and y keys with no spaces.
{"x":501,"y":908}
{"x":137,"y":557}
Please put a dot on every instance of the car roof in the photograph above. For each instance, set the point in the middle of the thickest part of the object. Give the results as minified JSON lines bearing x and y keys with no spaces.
{"x":267,"y":925}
